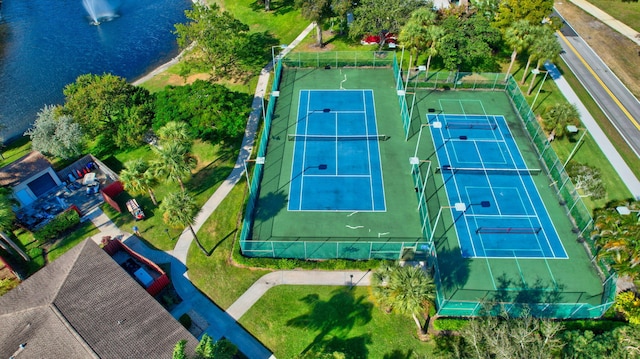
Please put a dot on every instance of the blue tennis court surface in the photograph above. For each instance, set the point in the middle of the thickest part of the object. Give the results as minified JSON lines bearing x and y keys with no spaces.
{"x":482,"y":167}
{"x":336,"y":156}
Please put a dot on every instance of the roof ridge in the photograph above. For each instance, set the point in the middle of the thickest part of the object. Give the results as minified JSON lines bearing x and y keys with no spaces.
{"x":72,"y":330}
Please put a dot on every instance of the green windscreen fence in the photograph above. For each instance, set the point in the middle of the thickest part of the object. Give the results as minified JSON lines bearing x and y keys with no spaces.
{"x":452,"y":299}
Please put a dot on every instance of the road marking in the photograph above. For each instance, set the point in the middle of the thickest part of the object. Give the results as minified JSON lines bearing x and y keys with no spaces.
{"x":615,"y":99}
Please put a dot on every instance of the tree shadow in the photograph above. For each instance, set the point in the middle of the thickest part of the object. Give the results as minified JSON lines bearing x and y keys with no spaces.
{"x":454,"y":270}
{"x":399,"y":354}
{"x":531,"y":298}
{"x":270,"y":205}
{"x":333,"y":320}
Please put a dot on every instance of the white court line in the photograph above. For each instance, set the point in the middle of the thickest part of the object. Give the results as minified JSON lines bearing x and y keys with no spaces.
{"x":304,"y":149}
{"x":535,"y":210}
{"x":336,"y":123}
{"x":341,"y":176}
{"x":375,"y":123}
{"x":295,"y":155}
{"x":366,"y":132}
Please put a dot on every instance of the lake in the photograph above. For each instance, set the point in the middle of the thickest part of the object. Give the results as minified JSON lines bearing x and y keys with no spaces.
{"x":45,"y":45}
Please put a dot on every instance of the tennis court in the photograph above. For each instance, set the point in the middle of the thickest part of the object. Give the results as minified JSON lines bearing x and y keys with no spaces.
{"x":336,"y":157}
{"x":501,"y":211}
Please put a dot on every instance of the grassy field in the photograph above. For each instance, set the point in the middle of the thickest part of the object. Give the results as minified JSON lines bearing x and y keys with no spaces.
{"x":291,"y":320}
{"x":214,"y":165}
{"x":214,"y":275}
{"x":84,"y":231}
{"x":626,"y":11}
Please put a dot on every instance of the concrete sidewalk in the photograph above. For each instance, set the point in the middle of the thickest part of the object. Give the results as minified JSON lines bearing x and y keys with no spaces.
{"x":599,"y":14}
{"x":624,"y":171}
{"x":294,"y":277}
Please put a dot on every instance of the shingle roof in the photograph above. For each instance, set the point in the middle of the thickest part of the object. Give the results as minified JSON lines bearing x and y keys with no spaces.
{"x":85,"y":305}
{"x":20,"y":170}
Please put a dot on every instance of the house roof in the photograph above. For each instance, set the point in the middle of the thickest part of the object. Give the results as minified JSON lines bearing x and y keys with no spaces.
{"x":22,"y":169}
{"x":85,"y":305}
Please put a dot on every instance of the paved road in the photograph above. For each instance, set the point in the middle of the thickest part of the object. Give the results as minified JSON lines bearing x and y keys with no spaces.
{"x":616,"y":101}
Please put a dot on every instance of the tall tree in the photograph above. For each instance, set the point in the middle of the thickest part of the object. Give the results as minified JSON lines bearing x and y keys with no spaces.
{"x":109,"y":105}
{"x":618,"y":238}
{"x":533,"y":39}
{"x":221,"y":42}
{"x":375,"y":16}
{"x":212,"y":111}
{"x":415,"y":33}
{"x":517,"y":37}
{"x":406,"y":290}
{"x":7,"y":218}
{"x":558,"y":116}
{"x":54,"y":134}
{"x":510,"y":11}
{"x":180,"y":210}
{"x":175,"y":131}
{"x":544,"y":48}
{"x":138,"y":179}
{"x":317,"y":11}
{"x":173,"y":161}
{"x":486,"y":8}
{"x":468,"y":43}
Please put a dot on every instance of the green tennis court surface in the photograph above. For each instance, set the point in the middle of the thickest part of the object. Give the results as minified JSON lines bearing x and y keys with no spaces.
{"x":341,"y":209}
{"x":417,"y":220}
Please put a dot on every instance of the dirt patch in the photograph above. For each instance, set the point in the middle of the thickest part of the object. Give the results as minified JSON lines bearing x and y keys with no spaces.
{"x":177,"y":80}
{"x":326,"y":36}
{"x":618,"y":52}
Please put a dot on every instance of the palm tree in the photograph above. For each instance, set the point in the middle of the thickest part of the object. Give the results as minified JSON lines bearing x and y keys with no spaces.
{"x":618,"y":238}
{"x":415,"y":34}
{"x":434,"y":34}
{"x":175,"y":131}
{"x":558,"y":116}
{"x":7,"y":217}
{"x":179,"y":211}
{"x":534,"y":33}
{"x":517,"y":37}
{"x":173,"y":162}
{"x":544,"y":48}
{"x":406,"y":290}
{"x":138,"y":179}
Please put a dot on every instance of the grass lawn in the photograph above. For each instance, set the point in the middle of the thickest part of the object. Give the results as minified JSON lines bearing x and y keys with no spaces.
{"x":293,"y":319}
{"x":626,"y":11}
{"x":29,"y":245}
{"x":214,"y":275}
{"x":83,"y":231}
{"x":588,"y":152}
{"x":214,"y":165}
{"x":283,"y":21}
{"x":16,"y":150}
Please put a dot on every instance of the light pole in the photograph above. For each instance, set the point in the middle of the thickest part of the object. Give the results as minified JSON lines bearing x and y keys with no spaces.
{"x":166,"y":230}
{"x":540,"y":88}
{"x":459,"y":207}
{"x":574,"y":129}
{"x":273,"y":54}
{"x":258,"y":161}
{"x":435,"y":124}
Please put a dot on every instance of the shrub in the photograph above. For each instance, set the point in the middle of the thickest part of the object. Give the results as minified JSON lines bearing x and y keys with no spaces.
{"x":185,"y":320}
{"x":62,"y":223}
{"x":628,"y":304}
{"x":450,"y":324}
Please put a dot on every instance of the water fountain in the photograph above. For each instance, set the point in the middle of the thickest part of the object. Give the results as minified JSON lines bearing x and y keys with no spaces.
{"x":99,"y":10}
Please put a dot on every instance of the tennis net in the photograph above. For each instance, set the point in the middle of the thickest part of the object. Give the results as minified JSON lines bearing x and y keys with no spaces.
{"x":509,"y":230}
{"x":511,"y":171}
{"x":294,"y":137}
{"x":471,"y":125}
